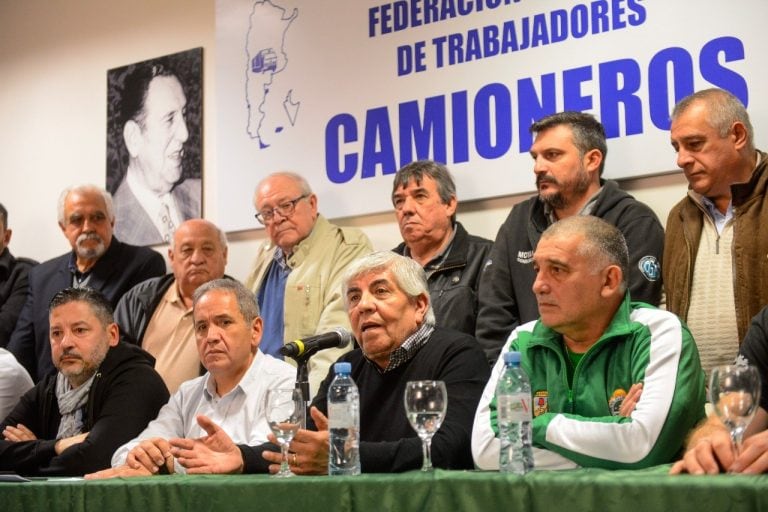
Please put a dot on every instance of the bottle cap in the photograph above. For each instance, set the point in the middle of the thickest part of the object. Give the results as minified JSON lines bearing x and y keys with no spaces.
{"x":344,"y":367}
{"x":511,"y":357}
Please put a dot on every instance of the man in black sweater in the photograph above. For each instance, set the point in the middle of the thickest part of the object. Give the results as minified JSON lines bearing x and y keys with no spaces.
{"x":104,"y":393}
{"x":389,"y":309}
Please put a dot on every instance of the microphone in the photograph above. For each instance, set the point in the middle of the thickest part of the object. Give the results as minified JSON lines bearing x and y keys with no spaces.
{"x":336,"y":338}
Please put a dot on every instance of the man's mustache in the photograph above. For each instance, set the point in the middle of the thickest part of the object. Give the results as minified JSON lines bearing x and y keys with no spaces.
{"x":88,"y":236}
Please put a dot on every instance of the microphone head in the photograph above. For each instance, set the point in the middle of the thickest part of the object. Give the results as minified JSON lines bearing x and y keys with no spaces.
{"x":345,"y":337}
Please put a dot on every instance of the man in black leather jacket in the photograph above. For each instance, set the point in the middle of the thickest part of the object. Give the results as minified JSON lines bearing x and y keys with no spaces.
{"x":424,"y":197}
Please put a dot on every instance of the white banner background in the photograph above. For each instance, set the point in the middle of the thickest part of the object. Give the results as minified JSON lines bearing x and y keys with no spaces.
{"x":321,"y":66}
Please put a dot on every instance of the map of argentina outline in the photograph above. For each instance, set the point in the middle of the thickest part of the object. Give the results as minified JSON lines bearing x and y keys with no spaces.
{"x":270,"y":103}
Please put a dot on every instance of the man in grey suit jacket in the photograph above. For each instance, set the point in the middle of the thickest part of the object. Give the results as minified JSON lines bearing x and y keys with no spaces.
{"x":153,"y":199}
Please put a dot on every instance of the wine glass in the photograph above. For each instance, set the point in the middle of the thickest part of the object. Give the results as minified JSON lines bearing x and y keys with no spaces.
{"x":285,"y":415}
{"x":425,"y":405}
{"x":734,"y":391}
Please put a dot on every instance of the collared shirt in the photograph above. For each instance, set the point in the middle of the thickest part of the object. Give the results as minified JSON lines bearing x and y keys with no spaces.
{"x":162,"y":210}
{"x":589,"y":206}
{"x":271,"y":298}
{"x":79,"y":279}
{"x":436,"y":262}
{"x":409,"y":347}
{"x":720,"y":219}
{"x":170,"y":338}
{"x":240,"y":413}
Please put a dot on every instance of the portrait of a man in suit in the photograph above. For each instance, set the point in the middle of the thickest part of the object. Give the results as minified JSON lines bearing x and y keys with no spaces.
{"x":154,"y":146}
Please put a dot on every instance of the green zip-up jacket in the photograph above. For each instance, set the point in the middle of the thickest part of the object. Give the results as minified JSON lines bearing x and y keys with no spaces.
{"x":581,"y":422}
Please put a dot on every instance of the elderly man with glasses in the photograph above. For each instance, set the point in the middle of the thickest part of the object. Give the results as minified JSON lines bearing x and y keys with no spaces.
{"x":297,"y":272}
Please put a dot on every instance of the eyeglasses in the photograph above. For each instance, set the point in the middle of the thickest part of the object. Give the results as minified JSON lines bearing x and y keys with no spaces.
{"x":285,"y":210}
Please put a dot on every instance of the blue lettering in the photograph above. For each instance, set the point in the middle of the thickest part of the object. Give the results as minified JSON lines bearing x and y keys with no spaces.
{"x":611,"y":94}
{"x":540,"y":34}
{"x":432,"y":130}
{"x":378,"y":147}
{"x":559,"y":22}
{"x":460,"y":118}
{"x":600,"y":17}
{"x":639,"y":13}
{"x":491,"y":40}
{"x":530,"y":108}
{"x":681,"y":64}
{"x":347,"y":125}
{"x":579,"y":21}
{"x":719,"y":76}
{"x":486,"y":118}
{"x":572,"y":97}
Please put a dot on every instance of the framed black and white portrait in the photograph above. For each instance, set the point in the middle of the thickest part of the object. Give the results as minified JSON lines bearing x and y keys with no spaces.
{"x":154,"y":145}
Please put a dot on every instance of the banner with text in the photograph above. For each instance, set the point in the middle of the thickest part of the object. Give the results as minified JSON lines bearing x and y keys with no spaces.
{"x":346,"y":92}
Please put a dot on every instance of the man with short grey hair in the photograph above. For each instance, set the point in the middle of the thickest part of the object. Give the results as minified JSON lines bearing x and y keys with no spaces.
{"x":97,"y":260}
{"x":424,"y":197}
{"x":228,"y":332}
{"x":615,"y":384}
{"x":716,"y":281}
{"x":387,"y":301}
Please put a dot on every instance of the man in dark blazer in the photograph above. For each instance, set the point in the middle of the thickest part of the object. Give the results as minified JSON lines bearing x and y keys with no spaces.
{"x":97,"y":260}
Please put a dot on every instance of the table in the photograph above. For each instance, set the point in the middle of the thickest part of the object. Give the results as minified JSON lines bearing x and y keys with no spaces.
{"x":451,"y":491}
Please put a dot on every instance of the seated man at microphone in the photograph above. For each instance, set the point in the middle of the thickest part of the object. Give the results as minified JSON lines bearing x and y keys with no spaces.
{"x":228,"y":331}
{"x":388,"y":304}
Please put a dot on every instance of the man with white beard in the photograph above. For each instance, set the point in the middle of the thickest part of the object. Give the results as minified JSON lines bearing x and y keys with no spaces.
{"x":97,"y":260}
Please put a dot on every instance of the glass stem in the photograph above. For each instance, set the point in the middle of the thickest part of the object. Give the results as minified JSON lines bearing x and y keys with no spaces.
{"x":427,"y":448}
{"x":284,"y":467}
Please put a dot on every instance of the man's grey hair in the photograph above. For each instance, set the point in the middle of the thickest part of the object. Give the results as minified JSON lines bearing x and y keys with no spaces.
{"x":295,"y":177}
{"x":408,"y":275}
{"x":587,"y":132}
{"x":416,"y":171}
{"x":723,"y":109}
{"x":246,"y":300}
{"x":80,"y":189}
{"x":603,"y":243}
{"x":219,"y":233}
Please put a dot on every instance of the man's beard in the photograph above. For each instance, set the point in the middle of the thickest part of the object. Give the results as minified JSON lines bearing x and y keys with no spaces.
{"x":89,"y":252}
{"x":568,"y":191}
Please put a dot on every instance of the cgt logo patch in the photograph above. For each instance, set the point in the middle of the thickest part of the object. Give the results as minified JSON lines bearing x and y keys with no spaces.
{"x":540,"y":403}
{"x":617,"y":398}
{"x":650,"y":268}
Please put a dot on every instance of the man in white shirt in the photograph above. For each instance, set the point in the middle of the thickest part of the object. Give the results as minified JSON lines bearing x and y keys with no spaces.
{"x":14,"y":382}
{"x":228,"y":331}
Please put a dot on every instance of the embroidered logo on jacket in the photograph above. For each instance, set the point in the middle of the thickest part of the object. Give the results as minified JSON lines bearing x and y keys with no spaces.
{"x":524,"y":257}
{"x":650,"y":268}
{"x":540,"y":403}
{"x":617,"y":398}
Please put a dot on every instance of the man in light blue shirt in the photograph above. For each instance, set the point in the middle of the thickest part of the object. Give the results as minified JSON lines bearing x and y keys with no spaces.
{"x":228,"y":332}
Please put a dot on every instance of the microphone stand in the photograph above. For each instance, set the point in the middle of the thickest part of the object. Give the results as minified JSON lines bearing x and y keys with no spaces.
{"x":302,"y":377}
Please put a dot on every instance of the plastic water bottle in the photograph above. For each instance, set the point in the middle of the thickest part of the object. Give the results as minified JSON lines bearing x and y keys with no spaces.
{"x":513,"y":401}
{"x":343,"y":423}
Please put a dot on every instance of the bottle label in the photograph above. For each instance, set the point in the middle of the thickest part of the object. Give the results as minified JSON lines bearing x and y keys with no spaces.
{"x":340,"y":415}
{"x":514,"y":407}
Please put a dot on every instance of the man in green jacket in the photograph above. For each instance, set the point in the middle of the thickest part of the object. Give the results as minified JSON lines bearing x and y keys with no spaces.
{"x":615,"y":384}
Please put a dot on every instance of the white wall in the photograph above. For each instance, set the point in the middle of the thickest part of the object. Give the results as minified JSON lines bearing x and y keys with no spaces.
{"x":54,"y":55}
